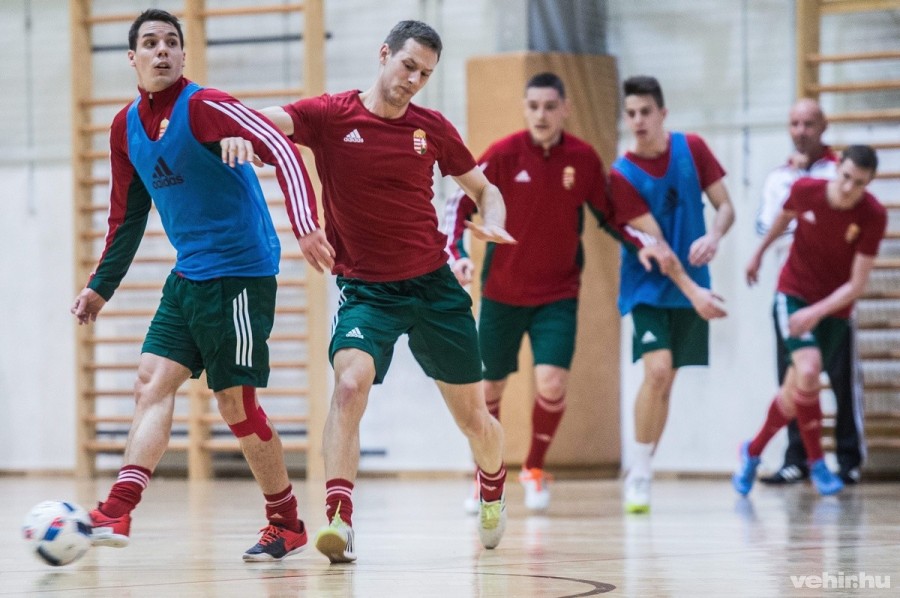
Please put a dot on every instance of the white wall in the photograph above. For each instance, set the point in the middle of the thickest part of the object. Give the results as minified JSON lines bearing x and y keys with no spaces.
{"x":37,"y":351}
{"x":727,"y":75}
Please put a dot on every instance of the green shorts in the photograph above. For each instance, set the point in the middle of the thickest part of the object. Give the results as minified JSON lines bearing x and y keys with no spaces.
{"x":828,"y":336}
{"x":679,"y":330}
{"x":219,"y":325}
{"x":550,"y":328}
{"x":433,"y":309}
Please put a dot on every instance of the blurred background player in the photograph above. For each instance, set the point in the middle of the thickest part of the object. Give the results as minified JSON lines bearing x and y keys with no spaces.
{"x":375,"y":152}
{"x":839,"y":229}
{"x":811,"y":158}
{"x":218,"y":304}
{"x":546,"y":176}
{"x":669,"y":173}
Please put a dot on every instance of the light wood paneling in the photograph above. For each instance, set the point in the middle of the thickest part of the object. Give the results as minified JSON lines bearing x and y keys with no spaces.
{"x":589,"y":432}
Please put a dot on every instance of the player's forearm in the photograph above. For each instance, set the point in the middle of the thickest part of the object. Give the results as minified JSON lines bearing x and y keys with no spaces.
{"x":776,"y":230}
{"x":680,"y":278}
{"x":492,"y":207}
{"x":848,"y":292}
{"x":723,"y":220}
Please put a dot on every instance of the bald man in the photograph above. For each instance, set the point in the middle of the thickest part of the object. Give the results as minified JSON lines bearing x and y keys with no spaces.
{"x":811,"y":158}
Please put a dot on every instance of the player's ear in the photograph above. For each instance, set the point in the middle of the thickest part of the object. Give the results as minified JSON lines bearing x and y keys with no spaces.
{"x":383,"y":54}
{"x":131,"y":57}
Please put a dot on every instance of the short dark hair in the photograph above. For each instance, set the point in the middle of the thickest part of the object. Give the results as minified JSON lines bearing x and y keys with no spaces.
{"x":547,"y":80}
{"x":643,"y":85}
{"x":153,"y":14}
{"x":863,"y":156}
{"x":416,"y":30}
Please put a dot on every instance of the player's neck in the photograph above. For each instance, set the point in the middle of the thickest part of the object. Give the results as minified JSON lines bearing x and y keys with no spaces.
{"x":651,"y":147}
{"x":836,"y":201}
{"x":379,"y":106}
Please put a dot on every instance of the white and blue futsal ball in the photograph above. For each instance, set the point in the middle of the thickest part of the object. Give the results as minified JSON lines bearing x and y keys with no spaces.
{"x":59,"y":532}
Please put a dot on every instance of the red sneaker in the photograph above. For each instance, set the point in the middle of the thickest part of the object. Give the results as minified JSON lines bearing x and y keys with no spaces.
{"x":109,"y":531}
{"x":276,"y":543}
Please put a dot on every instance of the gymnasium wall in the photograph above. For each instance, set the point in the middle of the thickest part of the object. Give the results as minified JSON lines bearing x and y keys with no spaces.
{"x":727,"y":72}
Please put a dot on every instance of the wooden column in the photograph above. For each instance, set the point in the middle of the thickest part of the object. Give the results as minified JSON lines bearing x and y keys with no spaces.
{"x":82,"y":63}
{"x":589,"y":433}
{"x":808,"y":29}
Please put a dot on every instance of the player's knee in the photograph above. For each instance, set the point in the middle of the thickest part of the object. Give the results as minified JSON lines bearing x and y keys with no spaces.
{"x":807,"y":375}
{"x":255,"y":420}
{"x":657,"y":374}
{"x":551,"y":387}
{"x":349,"y":392}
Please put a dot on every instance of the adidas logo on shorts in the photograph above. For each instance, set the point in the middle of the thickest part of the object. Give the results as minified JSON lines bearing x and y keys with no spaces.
{"x":355,"y":333}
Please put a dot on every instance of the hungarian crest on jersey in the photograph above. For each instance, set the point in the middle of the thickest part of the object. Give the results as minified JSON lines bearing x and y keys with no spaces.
{"x":420,"y":144}
{"x":568,"y":179}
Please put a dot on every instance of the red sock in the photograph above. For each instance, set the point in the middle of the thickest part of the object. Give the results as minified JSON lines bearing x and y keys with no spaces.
{"x":545,"y":418}
{"x":281,"y":509}
{"x":491,"y":484}
{"x":126,"y":492}
{"x":809,"y":422}
{"x":338,"y":500}
{"x":493,"y":408}
{"x":775,"y":420}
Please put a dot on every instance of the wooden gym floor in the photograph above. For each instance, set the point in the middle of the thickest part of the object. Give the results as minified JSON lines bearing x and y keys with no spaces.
{"x":413,"y":540}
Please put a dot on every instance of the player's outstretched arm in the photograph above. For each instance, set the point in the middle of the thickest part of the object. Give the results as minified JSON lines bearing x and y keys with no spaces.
{"x":645,"y":230}
{"x":490,"y":203}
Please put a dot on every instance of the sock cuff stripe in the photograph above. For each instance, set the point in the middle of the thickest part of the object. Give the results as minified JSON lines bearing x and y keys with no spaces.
{"x":133,"y":477}
{"x":549,"y":405}
{"x":806,"y":397}
{"x":492,"y":477}
{"x":280,"y":502}
{"x":337,"y":492}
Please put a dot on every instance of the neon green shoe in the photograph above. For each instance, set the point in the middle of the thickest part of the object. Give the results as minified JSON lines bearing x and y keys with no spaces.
{"x":637,"y":494}
{"x":336,"y":541}
{"x":492,"y":522}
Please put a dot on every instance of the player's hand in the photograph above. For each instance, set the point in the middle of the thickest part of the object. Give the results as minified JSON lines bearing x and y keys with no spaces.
{"x":463,"y":269}
{"x":659,"y":253}
{"x":317,"y":251}
{"x":802,"y":321}
{"x":490,"y":233}
{"x":703,"y":250}
{"x":237,"y":150}
{"x":87,"y":305}
{"x":752,"y":269}
{"x":799,"y":161}
{"x":708,"y":304}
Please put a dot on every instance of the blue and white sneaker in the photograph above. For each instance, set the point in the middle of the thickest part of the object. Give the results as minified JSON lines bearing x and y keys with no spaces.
{"x":743,"y":478}
{"x":825,"y":482}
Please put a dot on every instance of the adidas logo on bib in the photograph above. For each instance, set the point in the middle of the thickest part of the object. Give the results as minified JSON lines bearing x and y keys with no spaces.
{"x":648,"y":338}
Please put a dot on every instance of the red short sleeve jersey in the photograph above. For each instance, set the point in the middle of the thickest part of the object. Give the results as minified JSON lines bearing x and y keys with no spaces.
{"x":545,"y":193}
{"x":827,"y":240}
{"x":377,"y":176}
{"x":627,"y":202}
